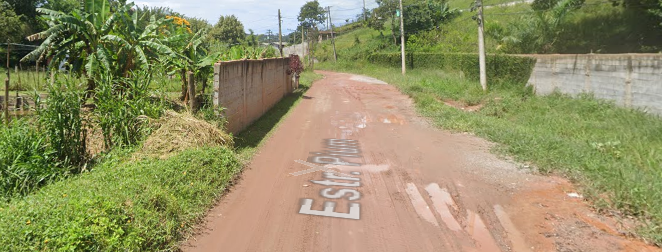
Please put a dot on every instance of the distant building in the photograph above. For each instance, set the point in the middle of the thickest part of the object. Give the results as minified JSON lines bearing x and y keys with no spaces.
{"x":324,"y":35}
{"x":275,"y":45}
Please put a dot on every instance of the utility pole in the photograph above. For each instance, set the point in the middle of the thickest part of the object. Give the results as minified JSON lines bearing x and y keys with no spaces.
{"x":308,"y":45}
{"x":280,"y":34}
{"x":402,"y":37}
{"x":481,"y":46}
{"x":333,"y":42}
{"x":6,"y":105}
{"x":364,"y":18}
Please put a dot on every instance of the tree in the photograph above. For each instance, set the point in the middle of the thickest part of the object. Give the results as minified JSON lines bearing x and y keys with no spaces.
{"x":543,"y":5}
{"x":10,"y":24}
{"x":27,"y":8}
{"x":311,"y":14}
{"x":65,"y":6}
{"x":252,"y":39}
{"x":198,"y":24}
{"x":228,"y":30}
{"x":534,"y":35}
{"x":427,"y":16}
{"x":386,"y":10}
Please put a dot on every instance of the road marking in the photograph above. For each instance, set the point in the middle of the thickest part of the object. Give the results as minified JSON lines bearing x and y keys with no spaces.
{"x":326,"y":168}
{"x":441,"y":199}
{"x":420,"y":205}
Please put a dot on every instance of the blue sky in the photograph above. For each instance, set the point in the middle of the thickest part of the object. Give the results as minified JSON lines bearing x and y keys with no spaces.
{"x":260,"y":15}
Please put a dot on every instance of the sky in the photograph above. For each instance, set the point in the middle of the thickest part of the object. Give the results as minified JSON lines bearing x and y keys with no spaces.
{"x":260,"y":15}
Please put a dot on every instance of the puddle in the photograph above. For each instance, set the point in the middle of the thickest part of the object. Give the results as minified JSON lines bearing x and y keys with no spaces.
{"x":367,"y":79}
{"x":480,"y":234}
{"x":514,"y":235}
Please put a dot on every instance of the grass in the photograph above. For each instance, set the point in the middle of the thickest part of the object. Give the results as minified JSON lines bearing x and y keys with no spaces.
{"x":27,"y":81}
{"x":465,"y":4}
{"x":614,"y":153}
{"x":122,"y":204}
{"x":27,"y":160}
{"x":248,"y":141}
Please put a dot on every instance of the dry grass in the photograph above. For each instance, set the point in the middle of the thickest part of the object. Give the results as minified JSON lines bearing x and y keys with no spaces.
{"x":178,"y":131}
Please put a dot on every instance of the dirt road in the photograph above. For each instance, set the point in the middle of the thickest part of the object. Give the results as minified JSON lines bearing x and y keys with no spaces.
{"x":399,"y":185}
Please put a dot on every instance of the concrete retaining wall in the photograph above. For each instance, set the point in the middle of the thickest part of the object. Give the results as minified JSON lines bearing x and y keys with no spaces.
{"x":631,"y":80}
{"x":249,"y":88}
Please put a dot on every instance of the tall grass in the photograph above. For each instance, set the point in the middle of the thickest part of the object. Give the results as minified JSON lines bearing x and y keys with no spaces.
{"x":123,"y":106}
{"x":62,"y":121}
{"x":26,"y":159}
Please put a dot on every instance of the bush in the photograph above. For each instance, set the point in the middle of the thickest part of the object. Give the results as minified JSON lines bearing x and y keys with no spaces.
{"x":500,"y":68}
{"x":26,"y":159}
{"x":144,"y":205}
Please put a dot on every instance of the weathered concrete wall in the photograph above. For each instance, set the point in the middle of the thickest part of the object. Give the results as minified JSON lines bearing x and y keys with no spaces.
{"x":249,"y":88}
{"x":631,"y":80}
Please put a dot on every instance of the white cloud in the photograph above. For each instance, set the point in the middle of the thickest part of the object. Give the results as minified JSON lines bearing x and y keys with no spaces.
{"x":259,"y":15}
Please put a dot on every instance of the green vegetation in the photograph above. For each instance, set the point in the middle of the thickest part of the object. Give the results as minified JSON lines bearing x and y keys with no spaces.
{"x":228,"y":29}
{"x":502,"y":68}
{"x":123,"y":107}
{"x":26,"y":159}
{"x":571,"y":26}
{"x":595,"y":26}
{"x":144,"y":205}
{"x":62,"y":121}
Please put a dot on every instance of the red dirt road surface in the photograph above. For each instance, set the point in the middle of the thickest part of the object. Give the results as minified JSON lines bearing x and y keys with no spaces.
{"x":396,"y":184}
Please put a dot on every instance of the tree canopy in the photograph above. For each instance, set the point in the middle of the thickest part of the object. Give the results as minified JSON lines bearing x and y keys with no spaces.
{"x":311,"y":14}
{"x":228,"y":30}
{"x":10,"y":24}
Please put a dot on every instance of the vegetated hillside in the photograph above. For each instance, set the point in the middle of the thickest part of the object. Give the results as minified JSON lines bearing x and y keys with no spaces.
{"x":595,"y":26}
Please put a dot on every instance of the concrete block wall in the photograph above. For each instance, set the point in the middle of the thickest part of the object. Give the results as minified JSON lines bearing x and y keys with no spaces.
{"x":247,"y":89}
{"x":631,"y":80}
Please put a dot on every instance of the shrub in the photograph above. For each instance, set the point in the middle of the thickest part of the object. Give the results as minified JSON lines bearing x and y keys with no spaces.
{"x":500,"y":68}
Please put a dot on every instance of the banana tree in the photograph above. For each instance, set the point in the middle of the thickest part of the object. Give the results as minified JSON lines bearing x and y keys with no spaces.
{"x":95,"y":39}
{"x":76,"y":38}
{"x":137,"y":45}
{"x":193,"y":51}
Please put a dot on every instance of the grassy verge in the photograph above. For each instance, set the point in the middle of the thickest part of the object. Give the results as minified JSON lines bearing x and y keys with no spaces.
{"x":123,"y":205}
{"x":249,"y":140}
{"x":614,"y":153}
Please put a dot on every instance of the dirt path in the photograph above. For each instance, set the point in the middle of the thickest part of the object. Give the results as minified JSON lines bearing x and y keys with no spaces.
{"x":405,"y":186}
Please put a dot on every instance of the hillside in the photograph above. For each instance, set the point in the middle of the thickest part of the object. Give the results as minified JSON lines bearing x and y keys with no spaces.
{"x":596,"y":27}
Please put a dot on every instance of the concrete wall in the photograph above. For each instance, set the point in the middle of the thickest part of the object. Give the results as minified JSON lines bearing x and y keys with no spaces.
{"x":298,"y":49}
{"x":249,"y":88}
{"x":631,"y":80}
